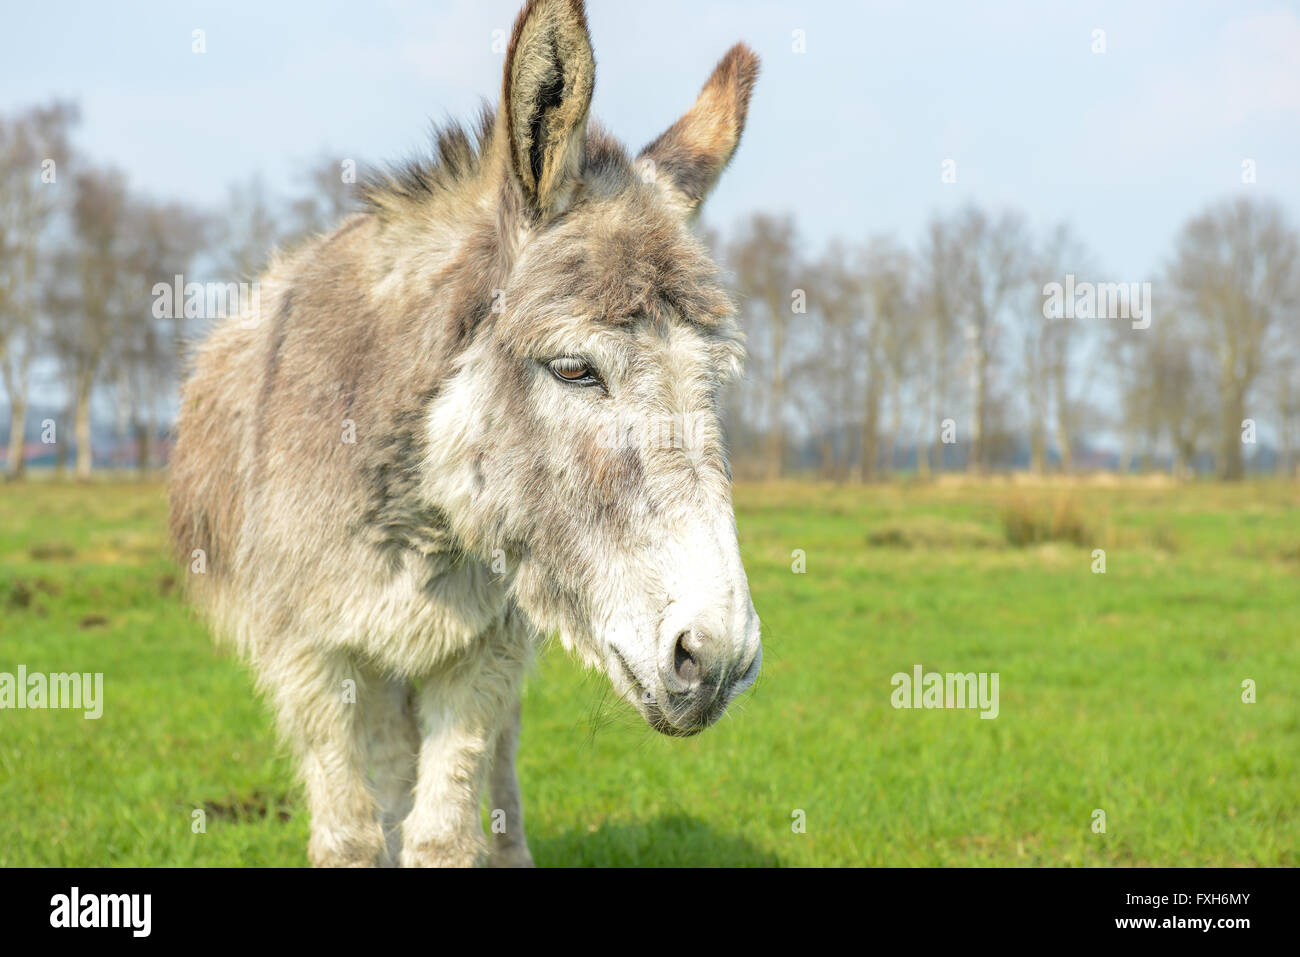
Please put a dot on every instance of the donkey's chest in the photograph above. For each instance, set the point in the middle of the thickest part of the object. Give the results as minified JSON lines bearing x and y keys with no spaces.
{"x":428,"y":613}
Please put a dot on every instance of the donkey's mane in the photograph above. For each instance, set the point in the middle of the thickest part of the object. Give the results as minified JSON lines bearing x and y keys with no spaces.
{"x":457,"y":158}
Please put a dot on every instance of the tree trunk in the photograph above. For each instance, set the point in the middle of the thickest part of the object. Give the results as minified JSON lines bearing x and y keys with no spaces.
{"x":923,"y":444}
{"x":151,"y":430}
{"x":1146,"y":459}
{"x":61,"y":447}
{"x":1128,"y":442}
{"x":1286,"y":456}
{"x":1037,"y":448}
{"x":1232,"y":467}
{"x":981,"y":381}
{"x":81,"y":426}
{"x":776,"y":404}
{"x":940,"y":458}
{"x":871,"y":430}
{"x":1061,"y":393}
{"x":895,"y":423}
{"x":1286,"y":459}
{"x":1063,"y":443}
{"x":1063,"y":431}
{"x":142,"y":447}
{"x":121,"y":426}
{"x":17,"y":466}
{"x":1179,"y":469}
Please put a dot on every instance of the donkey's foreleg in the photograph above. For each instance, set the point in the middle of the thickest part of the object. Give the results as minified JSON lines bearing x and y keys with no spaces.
{"x":393,"y":745}
{"x":316,"y":696}
{"x":509,"y":845}
{"x":461,"y":712}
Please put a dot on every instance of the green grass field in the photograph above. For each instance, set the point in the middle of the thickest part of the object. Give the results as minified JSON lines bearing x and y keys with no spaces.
{"x":1119,"y":691}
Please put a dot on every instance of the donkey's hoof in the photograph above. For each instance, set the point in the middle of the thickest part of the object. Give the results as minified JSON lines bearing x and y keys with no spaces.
{"x":348,"y":855}
{"x":454,"y":853}
{"x":516,"y":856}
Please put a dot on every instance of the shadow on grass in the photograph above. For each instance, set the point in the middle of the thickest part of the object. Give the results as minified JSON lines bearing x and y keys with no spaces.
{"x":672,"y":840}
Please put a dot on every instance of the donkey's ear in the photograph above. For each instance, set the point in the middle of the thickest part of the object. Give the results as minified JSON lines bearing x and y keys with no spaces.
{"x":690,"y":155}
{"x":550,"y":73}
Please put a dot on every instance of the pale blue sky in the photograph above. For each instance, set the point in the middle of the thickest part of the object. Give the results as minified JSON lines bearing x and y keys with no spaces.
{"x":849,"y":136}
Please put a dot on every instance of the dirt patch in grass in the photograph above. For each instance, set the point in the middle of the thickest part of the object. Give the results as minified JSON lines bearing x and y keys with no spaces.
{"x":25,"y":590}
{"x":254,"y":807}
{"x":1286,"y":553}
{"x":51,"y":551}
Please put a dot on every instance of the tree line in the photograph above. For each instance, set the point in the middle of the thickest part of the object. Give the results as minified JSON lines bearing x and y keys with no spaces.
{"x":982,"y":345}
{"x":987,"y":345}
{"x":82,"y":257}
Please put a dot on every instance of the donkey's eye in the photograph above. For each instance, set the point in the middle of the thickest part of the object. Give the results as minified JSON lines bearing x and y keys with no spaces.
{"x":574,"y":370}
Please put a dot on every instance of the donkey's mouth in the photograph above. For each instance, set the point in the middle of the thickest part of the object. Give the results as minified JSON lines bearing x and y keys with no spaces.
{"x":643,"y":696}
{"x":682,"y":718}
{"x":645,"y":702}
{"x":662,"y":725}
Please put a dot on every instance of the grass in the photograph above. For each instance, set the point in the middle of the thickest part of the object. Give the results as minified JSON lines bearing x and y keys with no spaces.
{"x":1119,"y":691}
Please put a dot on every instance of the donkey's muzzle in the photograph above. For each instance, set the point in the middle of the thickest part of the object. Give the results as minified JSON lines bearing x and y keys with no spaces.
{"x":699,"y":681}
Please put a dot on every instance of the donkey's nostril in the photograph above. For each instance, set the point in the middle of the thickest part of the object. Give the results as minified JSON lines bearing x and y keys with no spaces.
{"x":685,"y":663}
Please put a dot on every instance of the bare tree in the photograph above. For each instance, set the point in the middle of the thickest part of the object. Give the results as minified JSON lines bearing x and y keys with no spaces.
{"x":1038,"y":334}
{"x":89,"y":316}
{"x":1237,"y":267}
{"x":826,"y":364}
{"x":33,"y":149}
{"x":940,"y":264}
{"x":1282,"y":381}
{"x":887,"y":345}
{"x":994,"y":263}
{"x":977,"y":270}
{"x":764,"y":259}
{"x":1284,"y":387}
{"x":1182,"y":405}
{"x":161,"y":242}
{"x":166,"y":240}
{"x":1061,"y":254}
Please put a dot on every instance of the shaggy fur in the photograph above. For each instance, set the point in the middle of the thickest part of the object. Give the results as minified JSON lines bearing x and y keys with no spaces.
{"x":394,"y":494}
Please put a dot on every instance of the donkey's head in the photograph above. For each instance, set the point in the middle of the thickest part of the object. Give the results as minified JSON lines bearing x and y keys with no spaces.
{"x":583,"y":417}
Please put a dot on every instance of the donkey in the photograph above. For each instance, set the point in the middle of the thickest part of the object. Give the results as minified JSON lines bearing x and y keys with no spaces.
{"x":421,"y":452}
